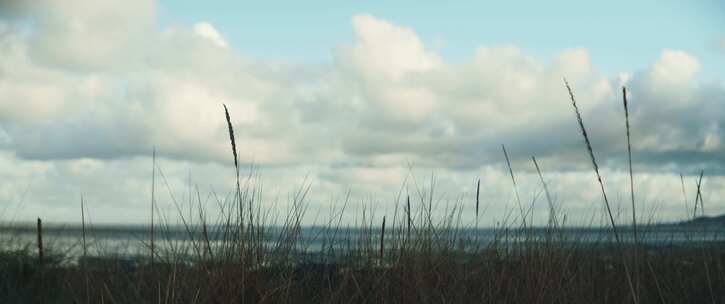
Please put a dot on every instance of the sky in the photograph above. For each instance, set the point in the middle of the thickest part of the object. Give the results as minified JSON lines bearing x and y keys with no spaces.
{"x":364,"y":101}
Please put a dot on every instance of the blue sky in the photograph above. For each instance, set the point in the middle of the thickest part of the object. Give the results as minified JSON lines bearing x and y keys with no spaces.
{"x":620,"y":35}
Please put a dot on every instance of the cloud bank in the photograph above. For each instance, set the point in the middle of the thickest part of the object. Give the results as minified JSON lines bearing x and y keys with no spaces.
{"x":94,"y":86}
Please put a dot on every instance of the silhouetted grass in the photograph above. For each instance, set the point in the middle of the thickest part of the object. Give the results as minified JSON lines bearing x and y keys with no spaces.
{"x":546,"y":272}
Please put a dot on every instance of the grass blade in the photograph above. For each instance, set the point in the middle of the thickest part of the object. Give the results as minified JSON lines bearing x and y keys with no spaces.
{"x":516,"y":188}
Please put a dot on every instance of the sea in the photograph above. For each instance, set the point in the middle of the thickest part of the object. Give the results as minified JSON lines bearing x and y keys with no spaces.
{"x":133,"y":241}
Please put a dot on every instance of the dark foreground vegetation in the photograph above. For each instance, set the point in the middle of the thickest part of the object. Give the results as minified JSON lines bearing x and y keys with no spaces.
{"x":537,"y":274}
{"x":418,"y":259}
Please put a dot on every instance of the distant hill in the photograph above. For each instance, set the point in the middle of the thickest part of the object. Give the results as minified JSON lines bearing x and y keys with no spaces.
{"x":704,"y":221}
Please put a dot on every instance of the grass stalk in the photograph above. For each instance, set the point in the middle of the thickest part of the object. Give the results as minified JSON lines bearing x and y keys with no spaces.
{"x":153,"y":205}
{"x":553,"y":223}
{"x":698,"y":196}
{"x":478,"y":194}
{"x":516,"y":188}
{"x":684,"y":196}
{"x":631,"y":187}
{"x":629,"y":156}
{"x":238,"y":194}
{"x":601,"y":185}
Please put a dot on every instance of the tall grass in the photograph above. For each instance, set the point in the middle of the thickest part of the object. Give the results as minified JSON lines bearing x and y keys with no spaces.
{"x":698,"y":196}
{"x":601,"y":185}
{"x":631,"y":188}
{"x":153,"y":206}
{"x":629,"y":158}
{"x":516,"y":187}
{"x":553,"y":222}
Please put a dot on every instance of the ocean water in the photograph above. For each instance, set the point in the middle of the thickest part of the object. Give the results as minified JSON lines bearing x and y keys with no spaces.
{"x":133,"y":241}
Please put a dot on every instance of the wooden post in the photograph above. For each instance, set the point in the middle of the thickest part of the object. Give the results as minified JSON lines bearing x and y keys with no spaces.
{"x":40,"y":241}
{"x":382,"y":242}
{"x":407,"y":239}
{"x":83,"y":229}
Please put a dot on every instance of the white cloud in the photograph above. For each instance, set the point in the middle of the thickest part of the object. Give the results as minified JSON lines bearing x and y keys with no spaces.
{"x":675,"y":71}
{"x":386,"y":50}
{"x":91,"y":34}
{"x":386,"y":62}
{"x":208,"y":31}
{"x":92,"y":87}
